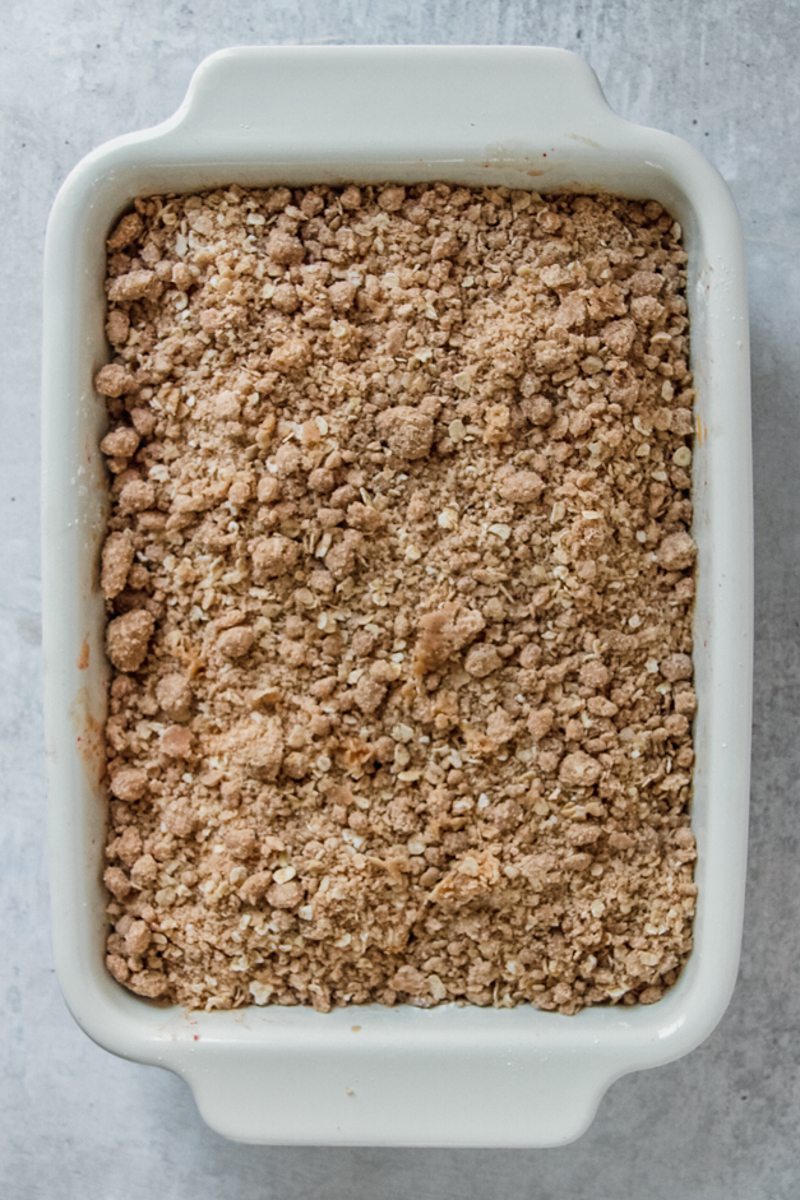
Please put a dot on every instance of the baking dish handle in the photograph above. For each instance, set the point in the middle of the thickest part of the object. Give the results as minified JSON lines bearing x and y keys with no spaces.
{"x":251,"y":1095}
{"x":506,"y":97}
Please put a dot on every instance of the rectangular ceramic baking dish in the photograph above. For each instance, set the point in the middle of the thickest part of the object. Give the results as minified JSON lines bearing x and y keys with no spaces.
{"x":523,"y":117}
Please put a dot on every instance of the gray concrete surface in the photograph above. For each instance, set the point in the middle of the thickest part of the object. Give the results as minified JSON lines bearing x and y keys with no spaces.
{"x":720,"y":1124}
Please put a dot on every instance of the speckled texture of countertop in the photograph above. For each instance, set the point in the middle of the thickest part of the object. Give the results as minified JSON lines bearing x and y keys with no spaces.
{"x":722,"y":1123}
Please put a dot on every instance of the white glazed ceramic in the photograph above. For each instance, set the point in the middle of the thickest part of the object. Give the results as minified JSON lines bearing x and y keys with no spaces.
{"x":532,"y":118}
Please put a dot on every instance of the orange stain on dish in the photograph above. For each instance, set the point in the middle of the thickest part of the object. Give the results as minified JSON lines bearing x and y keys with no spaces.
{"x":83,"y":657}
{"x":91,"y":746}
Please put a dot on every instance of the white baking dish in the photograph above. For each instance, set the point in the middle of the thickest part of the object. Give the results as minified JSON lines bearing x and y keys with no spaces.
{"x":532,"y":118}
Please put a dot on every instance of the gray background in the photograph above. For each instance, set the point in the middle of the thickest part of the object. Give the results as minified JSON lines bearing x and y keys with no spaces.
{"x":721,"y":1123}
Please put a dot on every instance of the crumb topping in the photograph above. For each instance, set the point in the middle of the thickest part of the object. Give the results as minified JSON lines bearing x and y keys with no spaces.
{"x":399,"y":578}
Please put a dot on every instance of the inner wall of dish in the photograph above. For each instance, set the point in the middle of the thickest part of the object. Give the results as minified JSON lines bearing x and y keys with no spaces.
{"x":634,"y":180}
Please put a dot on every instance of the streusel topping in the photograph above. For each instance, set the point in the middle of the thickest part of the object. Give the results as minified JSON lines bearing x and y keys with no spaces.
{"x":399,"y":577}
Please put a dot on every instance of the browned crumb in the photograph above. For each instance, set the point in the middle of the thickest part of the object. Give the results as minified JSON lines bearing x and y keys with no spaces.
{"x":399,"y":580}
